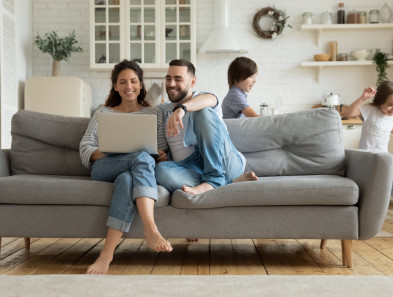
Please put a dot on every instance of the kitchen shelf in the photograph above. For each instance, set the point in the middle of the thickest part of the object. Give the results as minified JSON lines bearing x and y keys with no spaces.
{"x":319,"y":28}
{"x":320,"y":65}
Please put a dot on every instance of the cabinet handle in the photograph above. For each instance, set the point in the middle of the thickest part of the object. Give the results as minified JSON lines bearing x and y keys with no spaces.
{"x":350,"y":127}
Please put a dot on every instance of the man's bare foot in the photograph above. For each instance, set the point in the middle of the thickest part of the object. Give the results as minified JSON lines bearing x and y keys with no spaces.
{"x":156,"y":242}
{"x":246,"y":176}
{"x":192,"y":239}
{"x":101,"y":265}
{"x":202,"y":188}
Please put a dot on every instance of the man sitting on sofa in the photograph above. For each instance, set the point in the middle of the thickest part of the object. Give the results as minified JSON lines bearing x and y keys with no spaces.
{"x":203,"y":155}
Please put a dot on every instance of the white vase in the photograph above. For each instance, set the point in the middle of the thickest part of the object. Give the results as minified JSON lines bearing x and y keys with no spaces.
{"x":55,"y":68}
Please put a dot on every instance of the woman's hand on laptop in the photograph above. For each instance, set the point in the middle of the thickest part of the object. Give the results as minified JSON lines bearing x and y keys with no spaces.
{"x":162,"y":156}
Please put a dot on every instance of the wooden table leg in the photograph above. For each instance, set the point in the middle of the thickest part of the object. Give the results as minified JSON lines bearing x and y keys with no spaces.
{"x":323,"y":243}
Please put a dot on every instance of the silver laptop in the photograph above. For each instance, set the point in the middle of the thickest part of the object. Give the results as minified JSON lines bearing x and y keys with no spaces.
{"x":127,"y":132}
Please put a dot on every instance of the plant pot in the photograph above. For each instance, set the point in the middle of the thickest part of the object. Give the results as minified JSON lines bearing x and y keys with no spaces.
{"x":56,"y":68}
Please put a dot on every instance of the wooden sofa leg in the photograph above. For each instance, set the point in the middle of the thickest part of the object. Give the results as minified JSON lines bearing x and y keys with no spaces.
{"x":323,"y":243}
{"x":346,"y":247}
{"x":27,"y":243}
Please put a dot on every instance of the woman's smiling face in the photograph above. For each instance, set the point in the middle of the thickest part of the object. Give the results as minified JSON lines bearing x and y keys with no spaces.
{"x":128,"y":85}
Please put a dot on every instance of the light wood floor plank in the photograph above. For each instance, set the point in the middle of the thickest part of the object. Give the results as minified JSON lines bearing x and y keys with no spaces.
{"x":247,"y":259}
{"x":196,"y":260}
{"x":22,"y":255}
{"x":222,"y":258}
{"x":276,"y":262}
{"x":43,"y":258}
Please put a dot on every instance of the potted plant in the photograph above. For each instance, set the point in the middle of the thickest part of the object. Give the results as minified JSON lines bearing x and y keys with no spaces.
{"x":59,"y":48}
{"x":381,"y":61}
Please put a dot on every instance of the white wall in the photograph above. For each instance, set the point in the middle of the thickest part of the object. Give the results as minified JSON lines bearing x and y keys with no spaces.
{"x":280,"y":75}
{"x":23,"y":45}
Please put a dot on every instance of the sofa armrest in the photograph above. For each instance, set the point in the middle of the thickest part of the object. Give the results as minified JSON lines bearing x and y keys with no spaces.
{"x":5,"y":163}
{"x":373,"y":174}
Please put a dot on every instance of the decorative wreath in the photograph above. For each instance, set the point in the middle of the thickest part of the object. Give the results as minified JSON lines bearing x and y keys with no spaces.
{"x":280,"y":21}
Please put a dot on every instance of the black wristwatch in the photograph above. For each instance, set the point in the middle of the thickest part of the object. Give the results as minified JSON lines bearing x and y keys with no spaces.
{"x":180,"y":106}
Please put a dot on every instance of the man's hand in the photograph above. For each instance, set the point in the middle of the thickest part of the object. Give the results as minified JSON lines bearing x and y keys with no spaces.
{"x":162,"y":156}
{"x":175,"y":121}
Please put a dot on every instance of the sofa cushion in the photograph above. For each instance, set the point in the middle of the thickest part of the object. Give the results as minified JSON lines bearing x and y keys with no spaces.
{"x":275,"y":191}
{"x":47,"y":144}
{"x":61,"y":190}
{"x":300,"y":143}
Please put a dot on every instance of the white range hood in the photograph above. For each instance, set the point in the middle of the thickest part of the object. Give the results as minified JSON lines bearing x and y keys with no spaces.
{"x":221,"y":39}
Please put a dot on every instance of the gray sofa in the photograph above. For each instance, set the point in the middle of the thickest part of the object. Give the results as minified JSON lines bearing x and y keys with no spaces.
{"x":309,"y":187}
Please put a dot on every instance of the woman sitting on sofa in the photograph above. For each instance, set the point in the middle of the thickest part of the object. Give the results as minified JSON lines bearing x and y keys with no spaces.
{"x":133,"y":175}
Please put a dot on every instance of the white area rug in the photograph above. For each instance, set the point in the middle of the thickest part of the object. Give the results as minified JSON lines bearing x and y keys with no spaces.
{"x":189,"y":286}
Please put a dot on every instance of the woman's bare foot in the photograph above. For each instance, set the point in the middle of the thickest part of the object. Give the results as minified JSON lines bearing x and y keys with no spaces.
{"x":202,"y":188}
{"x":156,"y":242}
{"x":101,"y":265}
{"x":246,"y":176}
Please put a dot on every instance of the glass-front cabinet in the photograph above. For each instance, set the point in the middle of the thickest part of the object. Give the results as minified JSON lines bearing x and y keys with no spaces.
{"x":152,"y":32}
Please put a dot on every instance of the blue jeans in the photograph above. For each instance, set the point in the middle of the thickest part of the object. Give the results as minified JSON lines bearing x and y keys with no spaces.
{"x":215,"y":160}
{"x":133,"y":177}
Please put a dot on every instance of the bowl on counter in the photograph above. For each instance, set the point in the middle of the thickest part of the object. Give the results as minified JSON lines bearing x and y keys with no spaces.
{"x":322,"y":57}
{"x":360,"y":55}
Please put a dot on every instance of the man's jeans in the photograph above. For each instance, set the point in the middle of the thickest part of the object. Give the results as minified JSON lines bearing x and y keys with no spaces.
{"x":133,"y":177}
{"x":215,"y":160}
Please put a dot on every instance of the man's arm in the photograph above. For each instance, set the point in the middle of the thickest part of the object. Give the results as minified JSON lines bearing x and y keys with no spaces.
{"x":196,"y":103}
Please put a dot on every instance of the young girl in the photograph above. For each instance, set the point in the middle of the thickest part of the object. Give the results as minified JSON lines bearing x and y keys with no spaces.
{"x":377,"y":117}
{"x":242,"y":74}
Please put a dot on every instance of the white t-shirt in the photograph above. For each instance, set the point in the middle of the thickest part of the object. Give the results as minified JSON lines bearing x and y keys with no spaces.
{"x":376,"y":129}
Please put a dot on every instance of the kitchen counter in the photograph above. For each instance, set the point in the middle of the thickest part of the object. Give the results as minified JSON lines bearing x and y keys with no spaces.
{"x":340,"y":109}
{"x":354,"y":121}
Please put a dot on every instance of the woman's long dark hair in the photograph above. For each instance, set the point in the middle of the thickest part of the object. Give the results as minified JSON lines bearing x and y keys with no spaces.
{"x":114,"y":98}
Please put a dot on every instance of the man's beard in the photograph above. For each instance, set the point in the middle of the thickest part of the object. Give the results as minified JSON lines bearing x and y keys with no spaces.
{"x":179,"y":98}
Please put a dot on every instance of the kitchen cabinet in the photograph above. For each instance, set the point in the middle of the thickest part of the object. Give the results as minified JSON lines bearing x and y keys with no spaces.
{"x":320,"y":28}
{"x":152,"y":32}
{"x":351,"y":136}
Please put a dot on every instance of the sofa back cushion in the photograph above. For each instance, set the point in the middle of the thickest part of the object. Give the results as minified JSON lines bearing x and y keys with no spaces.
{"x":300,"y":143}
{"x":47,"y":144}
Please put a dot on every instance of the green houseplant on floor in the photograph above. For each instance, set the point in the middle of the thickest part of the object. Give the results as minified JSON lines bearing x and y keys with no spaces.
{"x":59,"y":48}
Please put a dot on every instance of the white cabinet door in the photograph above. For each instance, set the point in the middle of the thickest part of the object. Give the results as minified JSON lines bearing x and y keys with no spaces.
{"x":351,"y":136}
{"x":152,"y":32}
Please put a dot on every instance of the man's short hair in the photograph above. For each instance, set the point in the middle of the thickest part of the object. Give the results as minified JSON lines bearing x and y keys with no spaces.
{"x":183,"y":62}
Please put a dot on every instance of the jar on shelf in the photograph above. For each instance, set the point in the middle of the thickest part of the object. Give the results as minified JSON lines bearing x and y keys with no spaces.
{"x":362,"y":17}
{"x":386,"y":13}
{"x":353,"y":17}
{"x":326,"y":18}
{"x":374,"y":16}
{"x":341,"y":14}
{"x":307,"y":18}
{"x":342,"y":57}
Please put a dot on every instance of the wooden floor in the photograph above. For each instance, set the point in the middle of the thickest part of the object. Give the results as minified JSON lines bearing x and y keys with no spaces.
{"x":205,"y":257}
